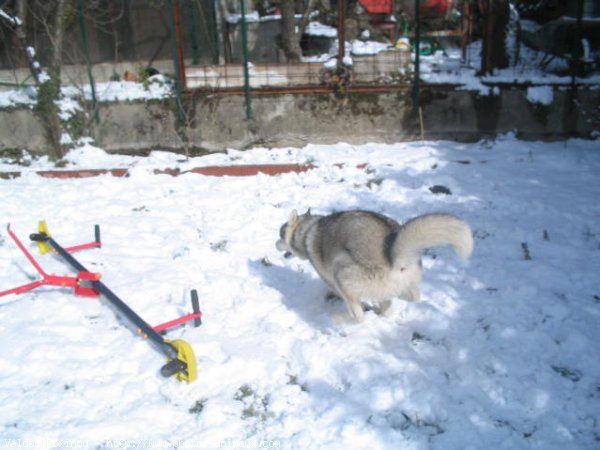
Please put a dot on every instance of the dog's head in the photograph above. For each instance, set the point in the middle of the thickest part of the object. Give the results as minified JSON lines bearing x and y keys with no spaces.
{"x":287,"y":232}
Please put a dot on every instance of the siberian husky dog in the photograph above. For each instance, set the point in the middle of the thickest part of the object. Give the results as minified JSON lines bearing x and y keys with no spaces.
{"x":364,"y":255}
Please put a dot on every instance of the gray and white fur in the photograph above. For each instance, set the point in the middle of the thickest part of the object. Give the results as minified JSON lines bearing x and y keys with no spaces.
{"x":367,"y":256}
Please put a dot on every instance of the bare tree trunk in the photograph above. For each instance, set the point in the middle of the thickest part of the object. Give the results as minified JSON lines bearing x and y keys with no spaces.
{"x":310,"y":6}
{"x":290,"y":40}
{"x":495,"y":15}
{"x":22,"y":10}
{"x":49,"y":89}
{"x":21,"y":37}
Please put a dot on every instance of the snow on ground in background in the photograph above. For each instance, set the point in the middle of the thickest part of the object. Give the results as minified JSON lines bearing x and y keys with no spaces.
{"x":157,"y":87}
{"x":447,"y":67}
{"x":501,"y":352}
{"x":249,"y":17}
{"x":358,"y":47}
{"x":544,"y":95}
{"x":319,"y":29}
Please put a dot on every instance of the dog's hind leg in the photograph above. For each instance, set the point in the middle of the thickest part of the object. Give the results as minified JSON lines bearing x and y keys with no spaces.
{"x":350,"y":296}
{"x":413,"y":293}
{"x":354,"y":307}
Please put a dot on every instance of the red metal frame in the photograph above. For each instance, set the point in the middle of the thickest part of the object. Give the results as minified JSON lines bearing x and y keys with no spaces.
{"x":82,"y":284}
{"x":177,"y":322}
{"x":77,"y":283}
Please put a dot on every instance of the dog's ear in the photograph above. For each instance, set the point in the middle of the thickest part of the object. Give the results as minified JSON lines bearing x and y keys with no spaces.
{"x":293,"y":219}
{"x":308,"y":214}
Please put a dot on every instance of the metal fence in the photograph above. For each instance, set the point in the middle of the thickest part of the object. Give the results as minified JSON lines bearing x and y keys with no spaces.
{"x":209,"y":52}
{"x":387,"y":67}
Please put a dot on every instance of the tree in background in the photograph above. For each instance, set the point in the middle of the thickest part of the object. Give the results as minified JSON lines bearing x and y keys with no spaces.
{"x":39,"y":28}
{"x":47,"y":82}
{"x":290,"y":39}
{"x":495,"y":15}
{"x":291,"y":29}
{"x":49,"y":90}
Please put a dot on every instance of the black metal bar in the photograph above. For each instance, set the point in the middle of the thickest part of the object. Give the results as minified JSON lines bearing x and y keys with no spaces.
{"x":114,"y":299}
{"x":97,"y":234}
{"x":196,"y":307}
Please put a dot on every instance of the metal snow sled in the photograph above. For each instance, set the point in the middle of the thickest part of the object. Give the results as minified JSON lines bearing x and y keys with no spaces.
{"x":181,"y":361}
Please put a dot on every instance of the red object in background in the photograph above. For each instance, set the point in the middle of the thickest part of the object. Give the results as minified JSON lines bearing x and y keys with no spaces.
{"x":428,"y":7}
{"x":431,"y":8}
{"x":377,"y":6}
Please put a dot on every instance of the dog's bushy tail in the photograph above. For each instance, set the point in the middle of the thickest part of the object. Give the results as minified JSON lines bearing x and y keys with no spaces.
{"x":427,"y":231}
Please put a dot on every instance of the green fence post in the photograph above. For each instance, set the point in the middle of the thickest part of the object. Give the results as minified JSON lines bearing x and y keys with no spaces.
{"x":247,"y":89}
{"x":417,"y":73}
{"x":177,"y":51}
{"x":193,"y":32}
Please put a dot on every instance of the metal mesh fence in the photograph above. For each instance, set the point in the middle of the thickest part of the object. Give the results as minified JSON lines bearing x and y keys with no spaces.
{"x":129,"y":35}
{"x":387,"y":67}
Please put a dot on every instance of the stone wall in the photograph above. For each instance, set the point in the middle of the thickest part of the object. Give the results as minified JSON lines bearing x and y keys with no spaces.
{"x":214,"y":123}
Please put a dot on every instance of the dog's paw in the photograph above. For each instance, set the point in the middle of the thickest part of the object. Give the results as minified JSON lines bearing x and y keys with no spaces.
{"x":332,"y":297}
{"x":381,"y":309}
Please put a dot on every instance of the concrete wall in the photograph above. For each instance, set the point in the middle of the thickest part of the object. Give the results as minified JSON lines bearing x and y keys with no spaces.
{"x":20,"y":129}
{"x":214,"y":123}
{"x":77,"y":75}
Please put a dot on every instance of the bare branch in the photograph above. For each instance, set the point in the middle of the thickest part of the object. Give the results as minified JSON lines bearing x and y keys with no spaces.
{"x":16,"y":24}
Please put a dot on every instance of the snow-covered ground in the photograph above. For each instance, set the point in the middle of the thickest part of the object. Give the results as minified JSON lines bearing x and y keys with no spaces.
{"x":501,"y":352}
